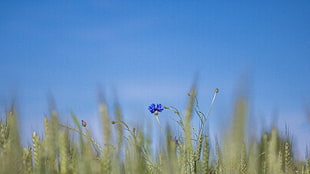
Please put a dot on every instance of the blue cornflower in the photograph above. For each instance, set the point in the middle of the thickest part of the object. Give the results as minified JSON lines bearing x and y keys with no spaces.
{"x":154,"y":109}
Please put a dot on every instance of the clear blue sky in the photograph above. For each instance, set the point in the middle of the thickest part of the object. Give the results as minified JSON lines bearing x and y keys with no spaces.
{"x":150,"y":51}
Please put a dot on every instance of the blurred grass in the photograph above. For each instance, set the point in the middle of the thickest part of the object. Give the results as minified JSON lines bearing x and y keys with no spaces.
{"x":128,"y":150}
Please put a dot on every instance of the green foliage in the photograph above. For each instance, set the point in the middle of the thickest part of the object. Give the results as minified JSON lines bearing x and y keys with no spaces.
{"x":128,"y":150}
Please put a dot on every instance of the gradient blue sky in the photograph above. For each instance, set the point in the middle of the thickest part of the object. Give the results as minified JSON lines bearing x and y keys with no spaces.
{"x":150,"y":51}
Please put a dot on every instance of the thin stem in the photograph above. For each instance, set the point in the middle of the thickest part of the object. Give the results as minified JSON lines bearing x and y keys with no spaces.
{"x":84,"y":134}
{"x":158,"y":122}
{"x":211,"y":105}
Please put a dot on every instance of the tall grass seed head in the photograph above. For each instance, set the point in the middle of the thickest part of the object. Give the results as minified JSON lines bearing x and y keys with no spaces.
{"x":84,"y":123}
{"x":216,"y":90}
{"x":155,"y":109}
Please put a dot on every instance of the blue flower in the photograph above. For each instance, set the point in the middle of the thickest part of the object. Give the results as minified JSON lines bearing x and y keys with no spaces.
{"x":154,"y":109}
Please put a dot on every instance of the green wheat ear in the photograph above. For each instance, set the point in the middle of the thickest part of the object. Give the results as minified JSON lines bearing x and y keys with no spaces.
{"x":219,"y":168}
{"x":253,"y":158}
{"x":288,"y":157}
{"x":106,"y":123}
{"x":188,"y":149}
{"x":243,"y":164}
{"x":206,"y":156}
{"x":36,"y":151}
{"x":272,"y":151}
{"x":119,"y":129}
{"x":27,"y":160}
{"x":307,"y":166}
{"x":64,"y":151}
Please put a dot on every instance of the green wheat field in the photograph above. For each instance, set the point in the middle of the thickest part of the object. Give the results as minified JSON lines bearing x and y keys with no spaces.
{"x":72,"y":149}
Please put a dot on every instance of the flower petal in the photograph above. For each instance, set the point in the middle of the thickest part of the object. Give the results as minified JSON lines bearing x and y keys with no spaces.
{"x":159,"y":107}
{"x":152,"y":108}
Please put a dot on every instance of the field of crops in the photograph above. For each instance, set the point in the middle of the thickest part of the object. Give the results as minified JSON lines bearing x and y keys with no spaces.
{"x":65,"y":149}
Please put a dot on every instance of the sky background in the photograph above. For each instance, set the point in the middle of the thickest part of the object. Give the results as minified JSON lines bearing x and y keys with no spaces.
{"x":143,"y":52}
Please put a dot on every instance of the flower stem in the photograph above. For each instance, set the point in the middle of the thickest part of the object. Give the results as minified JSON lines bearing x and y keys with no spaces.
{"x":158,"y":122}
